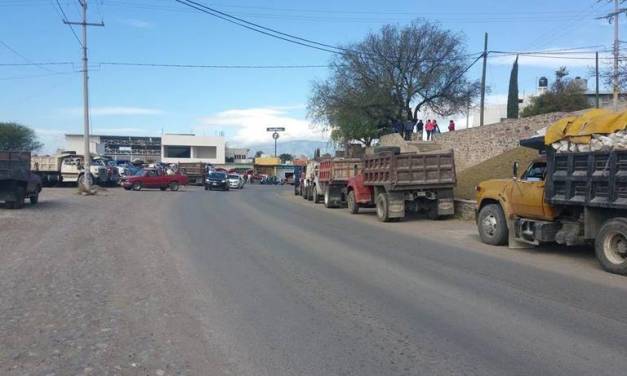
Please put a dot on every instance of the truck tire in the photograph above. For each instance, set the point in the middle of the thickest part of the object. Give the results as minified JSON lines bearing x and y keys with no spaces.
{"x":611,"y":246}
{"x":492,"y":225}
{"x":20,"y":196}
{"x":327,"y":199}
{"x":34,"y":199}
{"x":383,"y":207}
{"x":353,"y":208}
{"x":174,"y":186}
{"x":316,"y":198}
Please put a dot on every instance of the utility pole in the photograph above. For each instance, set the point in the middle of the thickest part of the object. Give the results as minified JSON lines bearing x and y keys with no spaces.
{"x":596,"y":91}
{"x":613,"y":17}
{"x":485,"y":63}
{"x":616,"y":52}
{"x":86,"y":138}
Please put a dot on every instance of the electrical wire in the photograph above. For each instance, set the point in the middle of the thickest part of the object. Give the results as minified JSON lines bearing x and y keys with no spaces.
{"x":255,"y":29}
{"x":157,"y":65}
{"x":29,"y":61}
{"x":65,"y":20}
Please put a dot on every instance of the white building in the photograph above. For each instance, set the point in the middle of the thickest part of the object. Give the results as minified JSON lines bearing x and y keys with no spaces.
{"x":74,"y":142}
{"x":183,"y":148}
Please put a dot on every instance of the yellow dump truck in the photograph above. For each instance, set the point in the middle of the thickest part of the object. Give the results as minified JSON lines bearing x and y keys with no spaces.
{"x":574,"y":193}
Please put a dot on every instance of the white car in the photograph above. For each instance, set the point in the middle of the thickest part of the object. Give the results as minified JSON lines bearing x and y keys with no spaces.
{"x":236,"y":181}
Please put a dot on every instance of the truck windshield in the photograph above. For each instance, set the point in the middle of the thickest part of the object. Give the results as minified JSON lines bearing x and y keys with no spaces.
{"x":217,"y":176}
{"x":535,"y":172}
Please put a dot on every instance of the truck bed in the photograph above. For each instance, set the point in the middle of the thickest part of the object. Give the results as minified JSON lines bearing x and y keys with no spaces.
{"x":14,"y":165}
{"x":410,"y":170}
{"x":45,"y":163}
{"x":339,"y":170}
{"x":595,"y":179}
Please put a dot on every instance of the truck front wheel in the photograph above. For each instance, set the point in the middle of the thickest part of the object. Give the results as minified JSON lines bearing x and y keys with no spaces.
{"x":383,"y":207}
{"x":353,"y":208}
{"x":492,"y":225}
{"x":611,"y":246}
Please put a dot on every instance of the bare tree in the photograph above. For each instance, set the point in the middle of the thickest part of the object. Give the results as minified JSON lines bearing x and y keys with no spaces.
{"x":390,"y":77}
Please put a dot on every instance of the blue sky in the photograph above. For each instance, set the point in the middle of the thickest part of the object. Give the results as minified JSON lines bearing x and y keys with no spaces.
{"x":241,"y":103}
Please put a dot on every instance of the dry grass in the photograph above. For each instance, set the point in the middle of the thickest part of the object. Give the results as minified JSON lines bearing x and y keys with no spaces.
{"x":498,"y":167}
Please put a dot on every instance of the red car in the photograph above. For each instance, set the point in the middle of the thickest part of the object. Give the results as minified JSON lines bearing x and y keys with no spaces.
{"x":154,"y":178}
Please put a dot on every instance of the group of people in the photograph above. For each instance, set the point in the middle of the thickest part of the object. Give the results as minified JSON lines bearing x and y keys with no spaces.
{"x":431,"y":128}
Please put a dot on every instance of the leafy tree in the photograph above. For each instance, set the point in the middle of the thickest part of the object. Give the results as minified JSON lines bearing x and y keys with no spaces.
{"x":512,"y":98}
{"x":18,"y":137}
{"x":285,"y":157}
{"x":390,"y":77}
{"x":564,"y":95}
{"x":258,"y":153}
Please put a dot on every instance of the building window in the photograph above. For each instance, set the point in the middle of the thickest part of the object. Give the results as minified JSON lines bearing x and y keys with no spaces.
{"x":178,"y":151}
{"x":205,"y":152}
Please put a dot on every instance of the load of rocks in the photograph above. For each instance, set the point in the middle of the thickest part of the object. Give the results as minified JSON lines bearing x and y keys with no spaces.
{"x":598,"y":142}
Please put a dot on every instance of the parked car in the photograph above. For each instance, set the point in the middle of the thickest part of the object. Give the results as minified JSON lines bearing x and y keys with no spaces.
{"x":236,"y":181}
{"x":217,"y":180}
{"x":153,"y":178}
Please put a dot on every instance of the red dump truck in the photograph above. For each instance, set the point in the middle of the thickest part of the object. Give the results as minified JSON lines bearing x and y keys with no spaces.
{"x":333,"y":179}
{"x":396,"y":183}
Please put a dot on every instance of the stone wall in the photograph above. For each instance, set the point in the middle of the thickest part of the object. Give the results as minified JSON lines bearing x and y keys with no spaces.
{"x":475,"y":145}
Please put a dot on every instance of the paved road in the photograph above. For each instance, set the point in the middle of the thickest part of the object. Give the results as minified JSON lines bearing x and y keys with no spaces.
{"x":292,"y":290}
{"x":258,"y":282}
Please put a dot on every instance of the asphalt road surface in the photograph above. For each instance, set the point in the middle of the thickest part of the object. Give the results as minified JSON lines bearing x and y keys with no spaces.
{"x":259,"y":282}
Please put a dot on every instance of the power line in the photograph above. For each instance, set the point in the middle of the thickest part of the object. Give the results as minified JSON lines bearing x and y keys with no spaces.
{"x":64,"y":17}
{"x":15,"y":52}
{"x":212,"y":66}
{"x":191,"y":5}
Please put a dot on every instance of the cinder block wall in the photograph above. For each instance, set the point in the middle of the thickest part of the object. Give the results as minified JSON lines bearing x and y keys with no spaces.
{"x":475,"y":145}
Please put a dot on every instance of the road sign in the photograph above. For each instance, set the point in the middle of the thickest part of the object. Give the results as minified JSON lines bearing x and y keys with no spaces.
{"x":276,"y":129}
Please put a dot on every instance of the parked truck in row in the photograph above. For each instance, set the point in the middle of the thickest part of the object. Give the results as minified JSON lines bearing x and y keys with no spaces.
{"x":310,"y":181}
{"x":396,"y":183}
{"x":66,"y":168}
{"x":570,"y":198}
{"x":17,"y":183}
{"x":333,"y":177}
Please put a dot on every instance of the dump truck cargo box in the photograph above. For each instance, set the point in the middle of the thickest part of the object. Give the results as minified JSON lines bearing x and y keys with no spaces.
{"x":407,"y":171}
{"x":339,"y":170}
{"x":594,"y":179}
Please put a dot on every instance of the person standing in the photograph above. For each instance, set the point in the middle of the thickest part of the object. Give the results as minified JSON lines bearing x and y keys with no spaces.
{"x":419,"y":128}
{"x":429,"y":129}
{"x":409,"y":130}
{"x":451,"y":126}
{"x":436,"y":129}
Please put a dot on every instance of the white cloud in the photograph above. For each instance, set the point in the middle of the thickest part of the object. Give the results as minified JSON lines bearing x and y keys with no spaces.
{"x":249,"y":125}
{"x":139,"y":24}
{"x":114,"y":111}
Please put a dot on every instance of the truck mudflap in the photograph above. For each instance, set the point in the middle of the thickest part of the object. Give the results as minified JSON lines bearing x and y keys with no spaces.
{"x":446,"y":206}
{"x":396,"y":207}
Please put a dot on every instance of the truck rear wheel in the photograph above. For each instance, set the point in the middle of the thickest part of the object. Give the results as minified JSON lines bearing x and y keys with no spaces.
{"x":611,"y":246}
{"x":383,"y":207}
{"x":34,"y":199}
{"x":327,"y":199}
{"x":316,"y":195}
{"x":353,"y":208}
{"x":492,"y":225}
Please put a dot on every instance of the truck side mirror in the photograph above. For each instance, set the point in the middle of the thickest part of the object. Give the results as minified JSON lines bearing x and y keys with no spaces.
{"x":515,"y":170}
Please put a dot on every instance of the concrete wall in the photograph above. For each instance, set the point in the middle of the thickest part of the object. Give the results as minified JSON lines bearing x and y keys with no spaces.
{"x":201,"y":148}
{"x":475,"y":145}
{"x":75,"y":143}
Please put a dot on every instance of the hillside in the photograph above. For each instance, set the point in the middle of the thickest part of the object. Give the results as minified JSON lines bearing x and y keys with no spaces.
{"x":498,"y":167}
